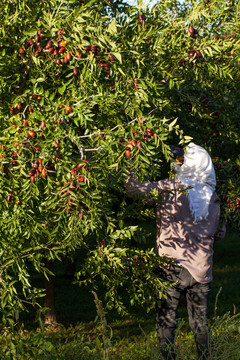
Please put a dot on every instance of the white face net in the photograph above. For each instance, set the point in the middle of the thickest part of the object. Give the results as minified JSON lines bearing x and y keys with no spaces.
{"x":198,"y":172}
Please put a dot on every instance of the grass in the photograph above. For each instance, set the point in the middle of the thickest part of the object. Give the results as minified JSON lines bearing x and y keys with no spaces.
{"x":226,"y":274}
{"x":78,"y":336}
{"x":85,"y":342}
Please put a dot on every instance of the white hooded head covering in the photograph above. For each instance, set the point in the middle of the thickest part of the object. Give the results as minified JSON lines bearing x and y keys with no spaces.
{"x":198,"y":172}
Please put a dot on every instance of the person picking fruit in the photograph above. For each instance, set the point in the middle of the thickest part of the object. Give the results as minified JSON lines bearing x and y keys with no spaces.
{"x":187,"y":219}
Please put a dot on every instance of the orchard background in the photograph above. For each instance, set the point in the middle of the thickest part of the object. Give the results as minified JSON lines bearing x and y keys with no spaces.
{"x":86,"y":87}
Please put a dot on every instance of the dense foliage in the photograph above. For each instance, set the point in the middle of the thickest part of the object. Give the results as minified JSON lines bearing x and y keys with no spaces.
{"x":86,"y":87}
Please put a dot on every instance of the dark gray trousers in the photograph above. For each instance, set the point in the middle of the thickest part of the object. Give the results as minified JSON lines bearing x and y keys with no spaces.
{"x":197,"y":297}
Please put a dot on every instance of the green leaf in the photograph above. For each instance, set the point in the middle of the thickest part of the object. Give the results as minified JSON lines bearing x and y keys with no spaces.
{"x":41,"y":79}
{"x":171,"y":125}
{"x":30,"y":33}
{"x":121,"y":71}
{"x":145,"y":159}
{"x":118,"y":56}
{"x":112,"y":28}
{"x":62,"y":89}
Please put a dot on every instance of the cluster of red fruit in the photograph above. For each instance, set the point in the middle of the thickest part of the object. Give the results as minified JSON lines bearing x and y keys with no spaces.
{"x":20,"y":106}
{"x":42,"y":45}
{"x":73,"y":186}
{"x":193,"y":32}
{"x":17,"y":108}
{"x":135,"y":83}
{"x":228,"y":36}
{"x":14,"y":159}
{"x":75,"y":172}
{"x":4,"y":156}
{"x":193,"y":53}
{"x":233,"y":201}
{"x":58,"y":49}
{"x":39,"y":169}
{"x":136,"y":261}
{"x":32,"y":134}
{"x":10,"y":198}
{"x":102,"y":57}
{"x":145,"y":135}
{"x":229,"y":198}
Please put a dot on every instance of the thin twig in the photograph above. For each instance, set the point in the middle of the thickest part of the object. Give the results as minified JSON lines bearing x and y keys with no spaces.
{"x":24,"y":111}
{"x":25,"y":301}
{"x":86,"y":136}
{"x":94,"y":149}
{"x":88,"y":97}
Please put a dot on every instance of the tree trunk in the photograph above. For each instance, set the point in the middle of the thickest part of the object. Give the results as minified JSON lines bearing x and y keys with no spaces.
{"x":70,"y":267}
{"x":49,"y":301}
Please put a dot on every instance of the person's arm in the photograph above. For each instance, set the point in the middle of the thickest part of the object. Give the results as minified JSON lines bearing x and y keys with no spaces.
{"x":135,"y":188}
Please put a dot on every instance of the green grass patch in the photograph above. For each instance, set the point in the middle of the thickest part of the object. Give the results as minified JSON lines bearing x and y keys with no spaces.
{"x":88,"y":342}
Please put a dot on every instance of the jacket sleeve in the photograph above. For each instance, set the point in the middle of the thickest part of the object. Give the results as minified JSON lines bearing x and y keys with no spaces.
{"x":137,"y":189}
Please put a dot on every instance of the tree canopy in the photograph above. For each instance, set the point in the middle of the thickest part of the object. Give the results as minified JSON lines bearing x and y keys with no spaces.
{"x":87,"y":86}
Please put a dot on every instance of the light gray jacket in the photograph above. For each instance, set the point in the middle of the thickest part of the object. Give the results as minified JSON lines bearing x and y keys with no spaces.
{"x":178,"y":236}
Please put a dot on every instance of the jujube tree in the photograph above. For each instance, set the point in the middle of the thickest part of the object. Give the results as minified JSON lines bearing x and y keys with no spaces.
{"x":85,"y":89}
